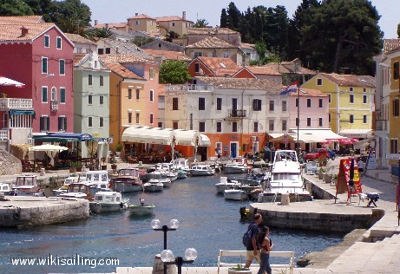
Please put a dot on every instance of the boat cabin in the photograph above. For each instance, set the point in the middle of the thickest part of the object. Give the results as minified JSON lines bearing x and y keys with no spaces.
{"x":26,"y":184}
{"x":108,"y":197}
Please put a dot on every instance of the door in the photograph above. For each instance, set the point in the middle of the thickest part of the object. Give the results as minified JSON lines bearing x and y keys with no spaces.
{"x":234,"y":147}
{"x":234,"y":107}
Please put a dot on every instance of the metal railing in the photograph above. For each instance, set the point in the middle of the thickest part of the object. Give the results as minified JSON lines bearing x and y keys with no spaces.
{"x":237,"y":113}
{"x":53,"y":105}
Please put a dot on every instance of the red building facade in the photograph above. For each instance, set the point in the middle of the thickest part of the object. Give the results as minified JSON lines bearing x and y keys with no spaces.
{"x":39,"y":55}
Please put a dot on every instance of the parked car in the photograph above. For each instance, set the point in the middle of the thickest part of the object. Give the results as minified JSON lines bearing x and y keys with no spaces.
{"x":311,"y":156}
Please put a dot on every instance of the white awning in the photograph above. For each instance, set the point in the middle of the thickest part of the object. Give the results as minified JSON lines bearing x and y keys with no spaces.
{"x":356,"y":133}
{"x":164,"y":136}
{"x":204,"y":141}
{"x":149,"y":135}
{"x":186,"y":137}
{"x":276,"y":135}
{"x":316,"y":135}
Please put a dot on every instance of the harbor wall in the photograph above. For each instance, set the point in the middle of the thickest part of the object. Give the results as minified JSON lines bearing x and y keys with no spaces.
{"x":22,"y":211}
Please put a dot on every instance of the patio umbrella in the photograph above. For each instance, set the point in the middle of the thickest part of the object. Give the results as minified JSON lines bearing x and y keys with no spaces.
{"x":345,"y":141}
{"x":49,"y":149}
{"x":4,"y":81}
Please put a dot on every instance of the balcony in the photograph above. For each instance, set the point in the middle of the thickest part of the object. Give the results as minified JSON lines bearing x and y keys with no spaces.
{"x":53,"y":105}
{"x":236,"y":114}
{"x":15,"y":103}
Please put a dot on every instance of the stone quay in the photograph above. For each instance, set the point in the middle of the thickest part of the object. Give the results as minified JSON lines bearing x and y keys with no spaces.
{"x":27,"y":211}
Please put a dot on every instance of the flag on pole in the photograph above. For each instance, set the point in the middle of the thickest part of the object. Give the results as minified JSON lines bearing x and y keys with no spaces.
{"x":287,"y":90}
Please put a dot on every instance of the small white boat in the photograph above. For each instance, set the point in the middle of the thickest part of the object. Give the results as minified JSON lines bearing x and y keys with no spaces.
{"x":141,"y":209}
{"x":224,"y":184}
{"x":6,"y":189}
{"x":235,"y":194}
{"x":108,"y":201}
{"x":153,"y":185}
{"x":237,"y":166}
{"x":202,"y":170}
{"x":181,"y":164}
{"x":26,"y":184}
{"x":67,"y":181}
{"x":80,"y":190}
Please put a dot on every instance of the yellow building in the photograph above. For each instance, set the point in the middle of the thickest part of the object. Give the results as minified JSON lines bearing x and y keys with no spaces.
{"x":351,"y":100}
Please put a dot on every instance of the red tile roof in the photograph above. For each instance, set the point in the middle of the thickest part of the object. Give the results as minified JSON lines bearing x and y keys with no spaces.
{"x":141,"y":16}
{"x":78,"y":57}
{"x":220,"y":66}
{"x":390,"y":45}
{"x":350,"y":80}
{"x":168,"y":54}
{"x":211,"y":43}
{"x":122,"y":58}
{"x":76,"y":38}
{"x":211,"y":31}
{"x":123,"y":71}
{"x":309,"y":92}
{"x":31,"y":19}
{"x":281,"y":68}
{"x":13,"y":31}
{"x":242,"y":83}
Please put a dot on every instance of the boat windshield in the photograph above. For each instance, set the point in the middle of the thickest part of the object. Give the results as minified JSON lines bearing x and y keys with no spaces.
{"x":286,"y":176}
{"x":286,"y":155}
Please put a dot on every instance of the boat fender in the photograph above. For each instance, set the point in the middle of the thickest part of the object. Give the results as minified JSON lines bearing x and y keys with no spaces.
{"x":17,"y":214}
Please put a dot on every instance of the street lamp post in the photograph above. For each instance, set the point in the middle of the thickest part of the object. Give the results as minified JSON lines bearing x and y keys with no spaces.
{"x":173,"y":225}
{"x":167,"y":257}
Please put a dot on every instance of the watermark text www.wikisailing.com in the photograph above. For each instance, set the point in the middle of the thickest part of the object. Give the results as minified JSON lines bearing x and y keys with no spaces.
{"x":55,"y":260}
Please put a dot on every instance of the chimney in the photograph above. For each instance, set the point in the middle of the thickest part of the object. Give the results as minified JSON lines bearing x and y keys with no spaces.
{"x":136,"y":14}
{"x":24,"y":31}
{"x":184,"y":15}
{"x":96,"y":22}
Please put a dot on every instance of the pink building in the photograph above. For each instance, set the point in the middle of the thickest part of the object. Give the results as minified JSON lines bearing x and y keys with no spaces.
{"x":39,"y":55}
{"x":314,"y":109}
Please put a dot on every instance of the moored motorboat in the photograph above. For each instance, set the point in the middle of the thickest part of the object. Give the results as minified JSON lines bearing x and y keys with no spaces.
{"x":235,"y":167}
{"x":226,"y":183}
{"x":6,"y":189}
{"x":201,"y":170}
{"x":26,"y":184}
{"x":235,"y":194}
{"x":127,"y":180}
{"x":153,"y":185}
{"x":108,"y":201}
{"x":285,"y":178}
{"x":141,"y":208}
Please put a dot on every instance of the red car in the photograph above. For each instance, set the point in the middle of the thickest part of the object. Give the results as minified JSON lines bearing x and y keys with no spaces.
{"x":310,"y":156}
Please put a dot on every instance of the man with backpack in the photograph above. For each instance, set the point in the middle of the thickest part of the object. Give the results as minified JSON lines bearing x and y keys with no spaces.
{"x":250,"y":240}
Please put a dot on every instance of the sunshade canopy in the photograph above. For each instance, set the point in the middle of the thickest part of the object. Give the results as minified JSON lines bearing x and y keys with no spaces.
{"x":164,"y":136}
{"x":4,"y":81}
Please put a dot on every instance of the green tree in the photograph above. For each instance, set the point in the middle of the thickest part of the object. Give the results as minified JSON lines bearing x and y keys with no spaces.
{"x":14,"y":7}
{"x":42,"y":7}
{"x":223,"y":22}
{"x":174,"y":72}
{"x":342,"y":36}
{"x":398,"y":30}
{"x":200,"y":23}
{"x":300,"y":17}
{"x":233,"y":17}
{"x":71,"y":16}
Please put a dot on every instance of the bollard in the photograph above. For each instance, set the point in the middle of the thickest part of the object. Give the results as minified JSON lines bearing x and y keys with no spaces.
{"x":285,"y":199}
{"x":158,"y":266}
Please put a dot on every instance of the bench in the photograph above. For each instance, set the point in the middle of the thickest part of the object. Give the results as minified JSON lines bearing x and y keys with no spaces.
{"x":241,"y":254}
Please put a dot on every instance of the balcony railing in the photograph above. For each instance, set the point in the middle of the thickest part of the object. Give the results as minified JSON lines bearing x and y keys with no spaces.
{"x":53,"y":105}
{"x":237,"y":113}
{"x":4,"y":134}
{"x":189,"y":87}
{"x":15,"y":103}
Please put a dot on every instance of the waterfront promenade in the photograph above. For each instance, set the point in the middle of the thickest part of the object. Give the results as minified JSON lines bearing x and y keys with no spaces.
{"x":361,"y":257}
{"x":364,"y":256}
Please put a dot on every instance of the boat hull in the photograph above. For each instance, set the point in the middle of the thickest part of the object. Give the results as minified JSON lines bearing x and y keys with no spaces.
{"x":141,"y":210}
{"x":235,"y":195}
{"x":98,"y":208}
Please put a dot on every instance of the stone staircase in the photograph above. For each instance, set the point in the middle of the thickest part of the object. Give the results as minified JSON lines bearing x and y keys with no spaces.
{"x":362,"y":257}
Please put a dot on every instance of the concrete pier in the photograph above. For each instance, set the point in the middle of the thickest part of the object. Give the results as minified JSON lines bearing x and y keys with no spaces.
{"x":25,"y":211}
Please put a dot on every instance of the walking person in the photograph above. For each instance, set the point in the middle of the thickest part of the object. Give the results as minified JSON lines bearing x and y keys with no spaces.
{"x":252,"y":246}
{"x":265,"y":248}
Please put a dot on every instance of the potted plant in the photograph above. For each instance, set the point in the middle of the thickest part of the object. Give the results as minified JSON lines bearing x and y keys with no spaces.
{"x":239,"y":269}
{"x":118,"y":149}
{"x":75,"y":166}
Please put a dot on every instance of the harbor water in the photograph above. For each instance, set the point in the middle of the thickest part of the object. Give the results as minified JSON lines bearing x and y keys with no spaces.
{"x":207,"y":223}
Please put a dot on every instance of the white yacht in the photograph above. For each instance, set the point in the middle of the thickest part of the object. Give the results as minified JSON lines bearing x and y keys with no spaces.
{"x":285,"y":178}
{"x":236,"y":166}
{"x":108,"y":201}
